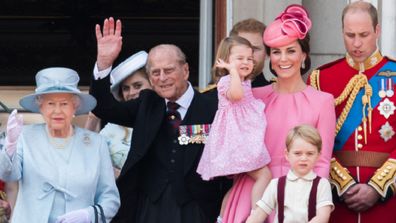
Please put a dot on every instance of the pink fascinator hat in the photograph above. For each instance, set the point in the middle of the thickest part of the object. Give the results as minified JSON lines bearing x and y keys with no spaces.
{"x":290,"y":25}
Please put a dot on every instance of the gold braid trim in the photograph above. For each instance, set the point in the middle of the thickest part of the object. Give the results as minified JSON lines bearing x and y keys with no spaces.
{"x":369,"y":92}
{"x":314,"y":79}
{"x":348,"y":89}
{"x":350,"y":92}
{"x":340,"y":177}
{"x":3,"y":210}
{"x":208,"y":88}
{"x":384,"y":178}
{"x":3,"y":195}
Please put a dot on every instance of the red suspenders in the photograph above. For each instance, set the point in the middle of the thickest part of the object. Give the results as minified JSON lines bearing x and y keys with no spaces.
{"x":281,"y":198}
{"x":311,"y":201}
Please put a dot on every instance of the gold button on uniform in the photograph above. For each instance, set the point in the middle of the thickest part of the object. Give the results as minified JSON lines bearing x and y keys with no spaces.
{"x":360,"y":146}
{"x":360,"y":128}
{"x":360,"y":137}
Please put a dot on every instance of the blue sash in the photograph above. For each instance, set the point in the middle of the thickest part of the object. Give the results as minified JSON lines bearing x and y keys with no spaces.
{"x":354,"y":118}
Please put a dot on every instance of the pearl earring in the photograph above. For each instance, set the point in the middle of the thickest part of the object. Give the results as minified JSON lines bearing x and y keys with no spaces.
{"x":303,"y":65}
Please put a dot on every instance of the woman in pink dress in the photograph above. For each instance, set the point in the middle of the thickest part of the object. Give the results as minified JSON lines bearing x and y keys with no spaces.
{"x":289,"y":102}
{"x":236,"y":140}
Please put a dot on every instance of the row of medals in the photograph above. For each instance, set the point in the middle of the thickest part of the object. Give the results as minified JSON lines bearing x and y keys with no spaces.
{"x":386,"y":107}
{"x":197,"y":134}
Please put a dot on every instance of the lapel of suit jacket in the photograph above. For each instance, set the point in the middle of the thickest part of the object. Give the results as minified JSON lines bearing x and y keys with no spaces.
{"x":154,"y":116}
{"x":150,"y":119}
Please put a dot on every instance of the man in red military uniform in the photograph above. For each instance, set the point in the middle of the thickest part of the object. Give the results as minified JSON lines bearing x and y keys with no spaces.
{"x":363,"y":168}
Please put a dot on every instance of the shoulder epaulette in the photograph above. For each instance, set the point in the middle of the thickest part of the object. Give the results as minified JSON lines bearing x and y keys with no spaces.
{"x":208,"y":88}
{"x":330,"y":64}
{"x":313,"y":79}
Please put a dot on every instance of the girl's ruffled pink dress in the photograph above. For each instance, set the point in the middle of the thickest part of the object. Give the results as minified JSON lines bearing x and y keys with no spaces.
{"x":236,"y":139}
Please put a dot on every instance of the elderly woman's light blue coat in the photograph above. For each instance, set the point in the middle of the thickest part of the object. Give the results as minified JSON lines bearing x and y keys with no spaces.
{"x":87,"y":174}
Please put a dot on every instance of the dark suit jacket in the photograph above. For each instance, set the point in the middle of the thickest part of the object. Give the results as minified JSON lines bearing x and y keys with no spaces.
{"x":145,"y":115}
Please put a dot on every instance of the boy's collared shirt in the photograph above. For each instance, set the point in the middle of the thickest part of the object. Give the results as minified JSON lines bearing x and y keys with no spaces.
{"x":296,"y":197}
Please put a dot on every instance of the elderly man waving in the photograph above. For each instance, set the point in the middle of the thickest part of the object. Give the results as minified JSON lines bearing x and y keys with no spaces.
{"x":158,"y":182}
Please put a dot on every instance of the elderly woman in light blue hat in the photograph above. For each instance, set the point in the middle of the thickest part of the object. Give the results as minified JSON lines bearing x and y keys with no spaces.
{"x":127,"y":79}
{"x":64,"y":172}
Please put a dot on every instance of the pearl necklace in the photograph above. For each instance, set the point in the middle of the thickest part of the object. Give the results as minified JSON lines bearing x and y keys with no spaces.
{"x":59,"y":143}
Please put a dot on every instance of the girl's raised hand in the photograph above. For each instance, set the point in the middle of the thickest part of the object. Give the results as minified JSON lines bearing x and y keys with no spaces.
{"x":222,"y":64}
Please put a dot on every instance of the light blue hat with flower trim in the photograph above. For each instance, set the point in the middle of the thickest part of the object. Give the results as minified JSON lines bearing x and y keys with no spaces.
{"x":58,"y":80}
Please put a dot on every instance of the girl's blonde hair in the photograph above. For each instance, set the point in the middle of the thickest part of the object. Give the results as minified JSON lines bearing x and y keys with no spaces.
{"x":307,"y":133}
{"x":224,"y":51}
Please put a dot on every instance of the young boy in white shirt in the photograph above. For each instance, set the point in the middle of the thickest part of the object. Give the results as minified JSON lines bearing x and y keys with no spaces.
{"x":301,"y":196}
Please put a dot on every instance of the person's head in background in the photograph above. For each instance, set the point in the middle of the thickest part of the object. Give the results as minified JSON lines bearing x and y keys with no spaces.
{"x":236,"y":50}
{"x":130,"y":77}
{"x":360,"y":30}
{"x":168,"y":71}
{"x":303,"y":147}
{"x":252,"y":30}
{"x":287,"y":43}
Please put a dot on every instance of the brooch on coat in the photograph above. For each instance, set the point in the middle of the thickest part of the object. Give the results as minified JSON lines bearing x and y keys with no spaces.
{"x":386,"y":108}
{"x":193,"y":134}
{"x":86,"y":139}
{"x":386,"y":131}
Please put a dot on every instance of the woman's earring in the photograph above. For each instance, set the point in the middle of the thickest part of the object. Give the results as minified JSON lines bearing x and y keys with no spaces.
{"x":303,"y":65}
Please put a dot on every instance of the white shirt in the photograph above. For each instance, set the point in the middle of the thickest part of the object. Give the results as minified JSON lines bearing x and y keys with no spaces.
{"x":101,"y":74}
{"x":296,"y":197}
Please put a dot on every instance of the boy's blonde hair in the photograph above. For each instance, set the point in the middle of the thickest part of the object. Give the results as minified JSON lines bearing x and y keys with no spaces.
{"x":305,"y":132}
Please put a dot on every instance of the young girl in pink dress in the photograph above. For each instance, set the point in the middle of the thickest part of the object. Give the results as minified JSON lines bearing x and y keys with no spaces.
{"x":236,"y":140}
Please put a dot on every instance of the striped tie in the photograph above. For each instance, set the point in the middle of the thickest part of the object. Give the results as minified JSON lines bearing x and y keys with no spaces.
{"x":173,"y":116}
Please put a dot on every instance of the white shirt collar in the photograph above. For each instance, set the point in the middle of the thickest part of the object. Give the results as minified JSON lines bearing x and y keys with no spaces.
{"x":184,"y":101}
{"x":308,"y":177}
